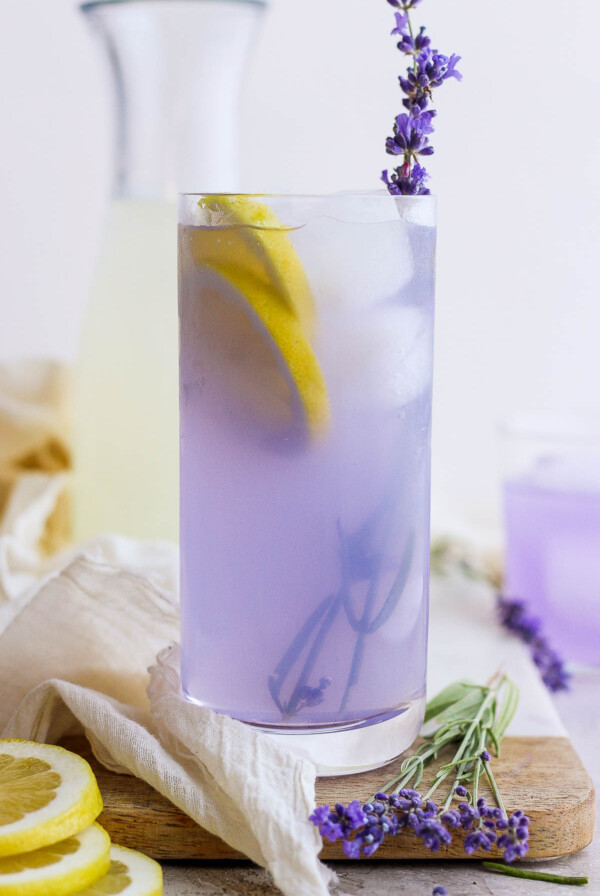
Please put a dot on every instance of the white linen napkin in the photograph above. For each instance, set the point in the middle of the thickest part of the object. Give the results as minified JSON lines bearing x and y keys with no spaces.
{"x":78,"y":631}
{"x":75,"y":658}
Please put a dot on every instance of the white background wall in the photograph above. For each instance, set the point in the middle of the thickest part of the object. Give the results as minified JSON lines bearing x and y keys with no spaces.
{"x":517,"y":174}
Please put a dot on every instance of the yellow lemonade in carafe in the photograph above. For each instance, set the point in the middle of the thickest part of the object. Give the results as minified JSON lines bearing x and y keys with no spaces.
{"x":126,"y":444}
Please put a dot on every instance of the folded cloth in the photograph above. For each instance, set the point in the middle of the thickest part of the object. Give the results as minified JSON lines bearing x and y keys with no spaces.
{"x":234,"y":781}
{"x":75,"y":658}
{"x":35,"y":437}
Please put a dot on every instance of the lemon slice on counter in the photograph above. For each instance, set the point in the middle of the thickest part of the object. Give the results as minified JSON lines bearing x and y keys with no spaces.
{"x":130,"y":874}
{"x":46,"y":794}
{"x":252,"y":356}
{"x":59,"y":869}
{"x":246,"y":236}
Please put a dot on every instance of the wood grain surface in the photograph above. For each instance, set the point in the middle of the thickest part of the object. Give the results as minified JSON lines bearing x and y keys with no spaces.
{"x":542,"y":776}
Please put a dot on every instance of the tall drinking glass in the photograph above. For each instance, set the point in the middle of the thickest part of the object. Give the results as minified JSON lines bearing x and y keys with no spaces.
{"x":306,"y":329}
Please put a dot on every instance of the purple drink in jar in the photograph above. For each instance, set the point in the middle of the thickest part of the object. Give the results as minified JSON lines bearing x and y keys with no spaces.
{"x":305,"y":399}
{"x":552,"y":526}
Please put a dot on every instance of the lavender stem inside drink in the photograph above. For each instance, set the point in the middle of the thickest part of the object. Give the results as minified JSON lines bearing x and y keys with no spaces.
{"x":552,"y":517}
{"x":305,"y":464}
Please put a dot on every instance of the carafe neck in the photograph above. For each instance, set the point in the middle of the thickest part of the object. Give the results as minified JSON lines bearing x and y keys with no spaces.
{"x":176,"y":68}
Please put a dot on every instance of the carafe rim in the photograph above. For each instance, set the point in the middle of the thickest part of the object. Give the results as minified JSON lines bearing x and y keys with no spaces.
{"x":93,"y":4}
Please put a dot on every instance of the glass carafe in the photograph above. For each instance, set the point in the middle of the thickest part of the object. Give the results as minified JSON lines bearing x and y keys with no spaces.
{"x":177,"y":69}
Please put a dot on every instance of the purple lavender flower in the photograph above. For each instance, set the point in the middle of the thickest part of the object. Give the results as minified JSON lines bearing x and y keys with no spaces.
{"x":366,"y":842}
{"x":554,"y":675}
{"x":432,"y":832}
{"x":439,"y":891}
{"x":514,"y":840}
{"x":468,"y":816}
{"x":404,"y":4}
{"x":429,"y":69}
{"x":308,"y":696}
{"x":380,"y":823}
{"x":408,"y":44}
{"x":340,"y":821}
{"x":401,"y":23}
{"x":362,"y":829}
{"x":460,"y":790}
{"x":410,"y":135}
{"x":485,"y":756}
{"x":479,"y":839}
{"x":452,"y":818}
{"x":407,"y":181}
{"x":513,"y":615}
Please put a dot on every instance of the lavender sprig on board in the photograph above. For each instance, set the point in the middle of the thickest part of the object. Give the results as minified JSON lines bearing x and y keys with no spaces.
{"x":472,"y":717}
{"x":428,"y":69}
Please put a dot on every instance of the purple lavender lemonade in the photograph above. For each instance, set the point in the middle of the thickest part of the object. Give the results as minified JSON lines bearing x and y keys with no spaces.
{"x":552,"y":518}
{"x":305,"y":400}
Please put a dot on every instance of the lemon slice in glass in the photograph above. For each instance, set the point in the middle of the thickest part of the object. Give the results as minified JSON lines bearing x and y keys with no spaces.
{"x":251,"y":358}
{"x":59,"y":869}
{"x":245,"y":236}
{"x":130,"y":874}
{"x":46,"y":794}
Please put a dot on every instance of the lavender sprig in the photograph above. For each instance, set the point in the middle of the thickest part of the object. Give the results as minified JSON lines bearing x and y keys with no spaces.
{"x":475,"y":718}
{"x":527,"y":874}
{"x":428,"y":69}
{"x":513,"y":614}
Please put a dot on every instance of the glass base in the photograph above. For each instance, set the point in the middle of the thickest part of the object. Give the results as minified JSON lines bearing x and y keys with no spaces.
{"x":361,"y":747}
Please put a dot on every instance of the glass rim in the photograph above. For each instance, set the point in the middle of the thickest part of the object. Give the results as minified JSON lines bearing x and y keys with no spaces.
{"x":552,"y":425}
{"x":95,"y":4}
{"x":341,"y":194}
{"x":293,"y":210}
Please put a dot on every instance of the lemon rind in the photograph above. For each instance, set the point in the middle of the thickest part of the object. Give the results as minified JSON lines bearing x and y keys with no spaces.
{"x":68,"y":822}
{"x":261,"y":229}
{"x":292,"y":345}
{"x":69,"y":882}
{"x":135,"y":860}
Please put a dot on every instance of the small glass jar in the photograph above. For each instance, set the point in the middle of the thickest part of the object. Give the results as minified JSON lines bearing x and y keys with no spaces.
{"x":552,"y":526}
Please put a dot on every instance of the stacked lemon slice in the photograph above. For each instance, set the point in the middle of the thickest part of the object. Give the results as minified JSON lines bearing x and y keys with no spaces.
{"x":50,"y":844}
{"x":256,"y":315}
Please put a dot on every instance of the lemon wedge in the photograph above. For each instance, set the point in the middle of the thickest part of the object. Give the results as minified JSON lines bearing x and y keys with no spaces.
{"x":245,"y":236}
{"x":130,"y":874}
{"x":250,"y":353}
{"x":46,"y":794}
{"x":59,"y":869}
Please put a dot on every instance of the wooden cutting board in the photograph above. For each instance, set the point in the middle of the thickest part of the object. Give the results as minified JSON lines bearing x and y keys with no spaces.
{"x":541,"y":775}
